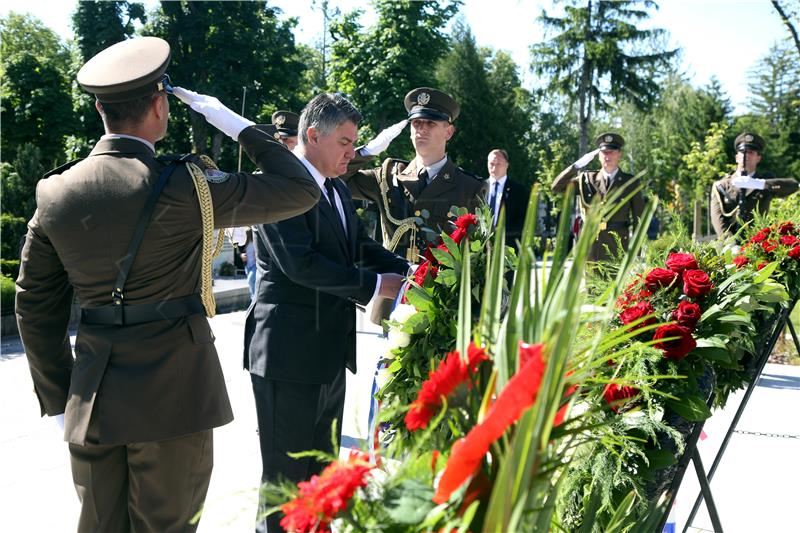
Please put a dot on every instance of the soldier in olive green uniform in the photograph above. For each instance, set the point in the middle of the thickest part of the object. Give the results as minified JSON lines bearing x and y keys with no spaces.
{"x":416,"y":196}
{"x":125,"y":231}
{"x":600,"y":184}
{"x":736,"y":197}
{"x":283,"y":128}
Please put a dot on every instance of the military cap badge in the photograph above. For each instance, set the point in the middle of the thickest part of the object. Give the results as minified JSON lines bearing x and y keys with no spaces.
{"x":608,"y":139}
{"x":423,"y":98}
{"x":748,"y":138}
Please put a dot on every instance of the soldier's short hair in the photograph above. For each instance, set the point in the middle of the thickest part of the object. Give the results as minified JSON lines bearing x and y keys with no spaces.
{"x":326,"y":112}
{"x":501,"y":152}
{"x":131,"y":112}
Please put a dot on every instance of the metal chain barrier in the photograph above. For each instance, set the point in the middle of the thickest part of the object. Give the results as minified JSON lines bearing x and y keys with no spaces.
{"x":767,"y":434}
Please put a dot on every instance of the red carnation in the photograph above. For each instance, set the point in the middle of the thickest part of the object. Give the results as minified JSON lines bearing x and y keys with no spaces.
{"x":687,"y":314}
{"x":678,"y":347}
{"x":323,"y":496}
{"x":635,"y":312}
{"x":680,"y":262}
{"x":659,"y":277}
{"x":794,"y":253}
{"x":740,"y":261}
{"x":425,"y":268}
{"x":769,"y":245}
{"x":761,"y":265}
{"x":789,"y":240}
{"x":696,"y":283}
{"x":465,"y":221}
{"x":617,"y":396}
{"x":786,"y":228}
{"x":468,"y":452}
{"x":450,"y":373}
{"x":758,"y":237}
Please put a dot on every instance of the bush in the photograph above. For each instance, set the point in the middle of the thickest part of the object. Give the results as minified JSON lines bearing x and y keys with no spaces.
{"x":7,"y":290}
{"x":227,"y":269}
{"x":12,"y":231}
{"x":10,"y":268}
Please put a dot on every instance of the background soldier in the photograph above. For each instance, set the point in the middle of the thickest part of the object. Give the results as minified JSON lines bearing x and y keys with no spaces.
{"x":737,"y":196}
{"x":139,"y":402}
{"x":602,"y":183}
{"x":425,"y":188}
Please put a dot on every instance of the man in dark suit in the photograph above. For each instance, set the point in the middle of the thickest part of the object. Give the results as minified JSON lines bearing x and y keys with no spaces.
{"x":145,"y":390}
{"x":300,"y":332}
{"x":609,"y":178}
{"x":502,"y":192}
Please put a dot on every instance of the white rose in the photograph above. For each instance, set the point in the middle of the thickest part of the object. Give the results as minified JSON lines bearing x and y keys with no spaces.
{"x":402,"y":313}
{"x":398,"y":339}
{"x":382,"y":377}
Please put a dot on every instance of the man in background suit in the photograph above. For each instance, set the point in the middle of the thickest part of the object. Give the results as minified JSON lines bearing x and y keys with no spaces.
{"x":300,"y":331}
{"x":502,"y":192}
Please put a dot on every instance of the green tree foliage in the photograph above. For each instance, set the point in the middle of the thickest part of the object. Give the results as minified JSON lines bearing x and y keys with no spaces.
{"x":97,"y":25}
{"x":707,"y":161}
{"x":35,"y":91}
{"x":775,"y":102}
{"x":219,"y":48}
{"x":600,"y":55}
{"x":376,"y":67}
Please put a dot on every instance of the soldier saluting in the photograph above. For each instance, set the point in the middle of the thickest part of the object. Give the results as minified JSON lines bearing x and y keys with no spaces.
{"x":600,"y":184}
{"x":416,"y":195}
{"x":125,"y":231}
{"x":737,"y":196}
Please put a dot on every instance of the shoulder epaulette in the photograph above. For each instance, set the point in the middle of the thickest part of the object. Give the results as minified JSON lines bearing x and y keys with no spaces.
{"x":62,"y":168}
{"x":181,"y":158}
{"x":470,"y":174}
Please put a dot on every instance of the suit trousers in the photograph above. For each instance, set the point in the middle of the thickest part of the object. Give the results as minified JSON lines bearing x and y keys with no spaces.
{"x":294,"y":417}
{"x":147,"y":486}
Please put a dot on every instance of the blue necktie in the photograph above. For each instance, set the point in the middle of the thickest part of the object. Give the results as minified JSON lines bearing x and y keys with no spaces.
{"x":493,"y":199}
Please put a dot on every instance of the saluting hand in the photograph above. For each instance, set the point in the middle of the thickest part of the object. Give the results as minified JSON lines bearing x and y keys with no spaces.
{"x":219,"y":116}
{"x":382,"y":140}
{"x":585,"y":159}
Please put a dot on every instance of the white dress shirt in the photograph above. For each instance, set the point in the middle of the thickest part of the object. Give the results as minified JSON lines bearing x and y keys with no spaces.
{"x":609,"y":177}
{"x":320,"y":179}
{"x":123,"y":136}
{"x":499,"y":199}
{"x":433,"y":170}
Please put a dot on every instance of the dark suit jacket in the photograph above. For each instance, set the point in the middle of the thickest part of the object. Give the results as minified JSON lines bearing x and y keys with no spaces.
{"x":149,"y":381}
{"x":515,"y":200}
{"x":301,"y":325}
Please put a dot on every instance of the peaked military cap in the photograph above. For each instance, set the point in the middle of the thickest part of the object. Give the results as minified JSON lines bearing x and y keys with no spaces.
{"x":749,"y":141}
{"x":286,"y":123}
{"x":432,"y":104}
{"x":609,"y":141}
{"x":127,"y":70}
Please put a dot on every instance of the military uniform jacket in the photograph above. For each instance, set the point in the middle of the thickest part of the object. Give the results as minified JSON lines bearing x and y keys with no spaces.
{"x":724,"y":204}
{"x":409,"y":197}
{"x":591,"y":184}
{"x":150,"y":381}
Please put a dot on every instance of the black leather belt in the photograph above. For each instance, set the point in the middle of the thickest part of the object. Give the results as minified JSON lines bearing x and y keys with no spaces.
{"x":143,"y":313}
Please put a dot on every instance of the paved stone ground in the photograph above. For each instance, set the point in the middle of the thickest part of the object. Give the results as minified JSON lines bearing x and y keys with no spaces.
{"x":755,"y":487}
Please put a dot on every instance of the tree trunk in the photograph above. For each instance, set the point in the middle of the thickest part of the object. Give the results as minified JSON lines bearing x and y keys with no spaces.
{"x":216,"y":145}
{"x":788,"y":23}
{"x":584,"y":90}
{"x":199,"y":132}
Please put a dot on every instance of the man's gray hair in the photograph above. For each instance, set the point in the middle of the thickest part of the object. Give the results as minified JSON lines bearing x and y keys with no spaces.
{"x":326,"y":112}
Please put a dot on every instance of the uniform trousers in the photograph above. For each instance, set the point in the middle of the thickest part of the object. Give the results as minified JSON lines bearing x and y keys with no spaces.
{"x":147,"y":486}
{"x":294,"y":417}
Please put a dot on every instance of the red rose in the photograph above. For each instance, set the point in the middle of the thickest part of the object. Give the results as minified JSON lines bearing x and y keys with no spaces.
{"x":635,"y":312}
{"x":794,"y":253}
{"x":681,"y":262}
{"x":761,"y":265}
{"x":659,"y":277}
{"x":465,"y":221}
{"x":769,"y":245}
{"x":615,"y":395}
{"x":758,"y":237}
{"x":696,"y":283}
{"x":789,"y":240}
{"x":687,"y":314}
{"x":677,"y":348}
{"x":786,"y":228}
{"x":423,"y":270}
{"x":740,"y":261}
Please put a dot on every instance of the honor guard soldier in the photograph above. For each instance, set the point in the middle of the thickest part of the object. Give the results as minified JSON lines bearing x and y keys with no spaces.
{"x":737,"y":196}
{"x":414,"y":198}
{"x":129,"y":235}
{"x":285,"y":123}
{"x":601,"y":183}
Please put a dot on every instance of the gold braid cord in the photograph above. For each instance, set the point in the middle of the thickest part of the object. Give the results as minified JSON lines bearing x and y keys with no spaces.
{"x":734,"y":212}
{"x":207,"y":215}
{"x":404,"y":225}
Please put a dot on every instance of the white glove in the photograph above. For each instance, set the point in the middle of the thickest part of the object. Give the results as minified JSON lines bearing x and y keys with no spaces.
{"x":219,"y":116}
{"x":585,"y":159}
{"x":746,"y":182}
{"x":59,"y":420}
{"x":382,"y":140}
